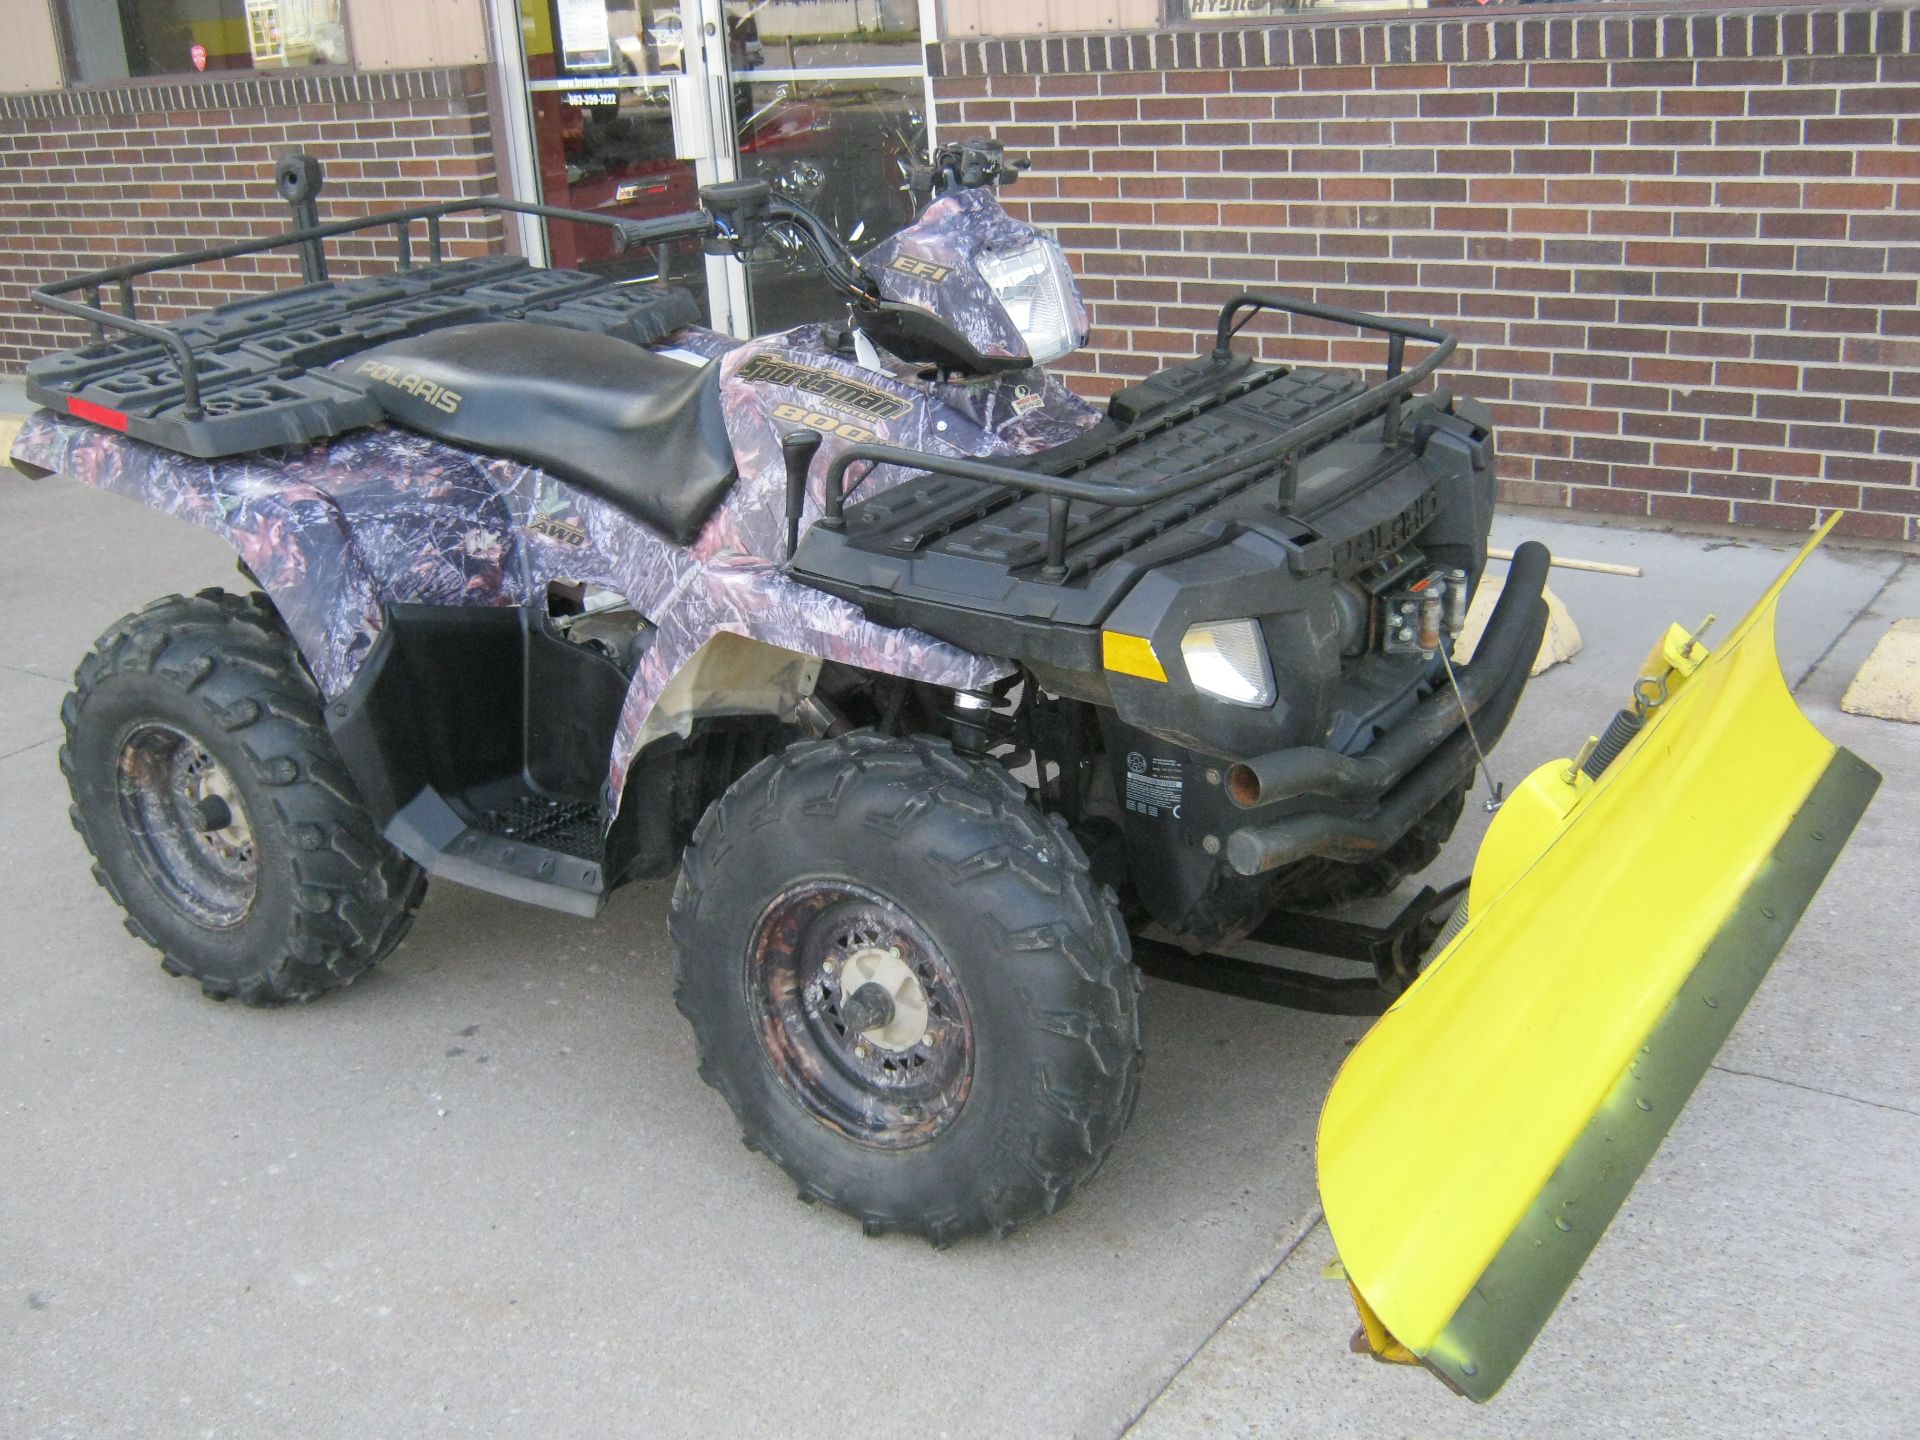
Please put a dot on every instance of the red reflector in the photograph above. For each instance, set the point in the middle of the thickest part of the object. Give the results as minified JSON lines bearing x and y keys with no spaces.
{"x":98,"y":414}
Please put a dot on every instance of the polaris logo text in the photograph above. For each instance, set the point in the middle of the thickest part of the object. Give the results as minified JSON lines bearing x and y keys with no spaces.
{"x":438,"y":396}
{"x":867,"y":401}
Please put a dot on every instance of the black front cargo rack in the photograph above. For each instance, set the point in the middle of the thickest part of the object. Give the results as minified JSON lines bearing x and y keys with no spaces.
{"x":1282,"y":451}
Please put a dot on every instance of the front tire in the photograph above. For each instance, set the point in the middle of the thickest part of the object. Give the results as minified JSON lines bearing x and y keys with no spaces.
{"x":218,"y":814}
{"x":983,"y":1057}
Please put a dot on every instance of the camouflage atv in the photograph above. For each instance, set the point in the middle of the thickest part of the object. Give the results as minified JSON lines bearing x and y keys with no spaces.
{"x":954,"y":700}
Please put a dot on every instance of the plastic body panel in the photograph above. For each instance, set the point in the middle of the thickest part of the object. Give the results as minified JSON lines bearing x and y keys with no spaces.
{"x":965,"y":560}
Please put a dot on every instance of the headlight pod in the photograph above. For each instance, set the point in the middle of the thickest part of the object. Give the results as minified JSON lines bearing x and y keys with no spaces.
{"x":1032,"y":286}
{"x":1228,"y":660}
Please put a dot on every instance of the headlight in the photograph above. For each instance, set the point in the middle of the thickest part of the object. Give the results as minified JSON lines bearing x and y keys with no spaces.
{"x":1032,"y":285}
{"x":1228,"y":660}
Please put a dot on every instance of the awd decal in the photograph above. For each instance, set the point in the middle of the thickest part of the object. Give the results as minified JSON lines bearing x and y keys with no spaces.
{"x":867,"y":401}
{"x":919,"y":269}
{"x":845,"y":429}
{"x":563,"y":532}
{"x":438,"y":396}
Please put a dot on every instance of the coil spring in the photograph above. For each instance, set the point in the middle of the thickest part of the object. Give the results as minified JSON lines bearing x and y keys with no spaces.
{"x":1620,"y":730}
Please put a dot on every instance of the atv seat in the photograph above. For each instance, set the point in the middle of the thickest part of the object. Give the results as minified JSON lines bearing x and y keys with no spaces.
{"x":640,"y":431}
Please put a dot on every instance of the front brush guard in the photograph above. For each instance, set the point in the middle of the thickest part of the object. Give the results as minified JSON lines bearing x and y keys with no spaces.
{"x":1412,"y":767}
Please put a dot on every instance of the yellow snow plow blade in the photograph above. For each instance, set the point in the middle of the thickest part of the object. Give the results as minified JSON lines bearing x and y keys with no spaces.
{"x":1481,"y":1136}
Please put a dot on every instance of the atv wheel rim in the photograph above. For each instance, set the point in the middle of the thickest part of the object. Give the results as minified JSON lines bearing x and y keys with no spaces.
{"x":188,"y":828}
{"x":903,"y":1078}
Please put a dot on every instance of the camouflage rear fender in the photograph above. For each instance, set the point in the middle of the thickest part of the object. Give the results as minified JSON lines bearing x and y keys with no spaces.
{"x":381,"y":516}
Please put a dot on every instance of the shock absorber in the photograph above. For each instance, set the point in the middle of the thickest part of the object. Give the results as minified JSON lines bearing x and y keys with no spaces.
{"x":968,"y":719}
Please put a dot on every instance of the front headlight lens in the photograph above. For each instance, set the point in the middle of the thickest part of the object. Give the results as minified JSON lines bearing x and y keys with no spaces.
{"x":1031,"y":284}
{"x":1228,"y":660}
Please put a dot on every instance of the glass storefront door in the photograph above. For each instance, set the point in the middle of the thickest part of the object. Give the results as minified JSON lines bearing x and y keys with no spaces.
{"x":600,"y":80}
{"x":829,"y":103}
{"x":634,"y":105}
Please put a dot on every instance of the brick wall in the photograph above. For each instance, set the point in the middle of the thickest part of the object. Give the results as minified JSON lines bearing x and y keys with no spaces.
{"x":1681,"y":251}
{"x":95,"y":177}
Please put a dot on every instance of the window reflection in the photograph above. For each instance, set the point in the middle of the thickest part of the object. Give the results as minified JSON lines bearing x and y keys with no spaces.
{"x":842,"y":144}
{"x":122,"y":39}
{"x":843,"y":148}
{"x":812,"y":34}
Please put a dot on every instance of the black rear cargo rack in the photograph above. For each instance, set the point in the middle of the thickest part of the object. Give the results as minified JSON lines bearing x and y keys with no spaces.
{"x":53,"y":297}
{"x":1284,"y":450}
{"x":235,"y":378}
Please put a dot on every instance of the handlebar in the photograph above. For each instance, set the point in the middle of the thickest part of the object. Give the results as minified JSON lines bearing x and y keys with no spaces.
{"x":687,"y":225}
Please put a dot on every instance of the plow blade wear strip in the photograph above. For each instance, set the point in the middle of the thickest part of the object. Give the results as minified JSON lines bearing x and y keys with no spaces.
{"x":1483,"y":1134}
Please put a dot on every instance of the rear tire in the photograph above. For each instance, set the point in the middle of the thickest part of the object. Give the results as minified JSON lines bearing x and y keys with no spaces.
{"x":198,"y":710}
{"x":899,"y":860}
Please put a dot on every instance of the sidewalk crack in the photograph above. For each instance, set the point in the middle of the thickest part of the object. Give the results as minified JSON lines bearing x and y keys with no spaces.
{"x":22,"y":670}
{"x":1307,"y":1226}
{"x":1852,"y":620}
{"x":25,"y":748}
{"x":1817,"y":1090}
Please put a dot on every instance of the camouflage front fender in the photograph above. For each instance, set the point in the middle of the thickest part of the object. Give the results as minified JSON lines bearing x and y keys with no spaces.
{"x":1479,"y":1139}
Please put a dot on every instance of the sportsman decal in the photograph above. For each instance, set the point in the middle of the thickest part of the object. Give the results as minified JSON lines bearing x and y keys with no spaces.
{"x":840,"y":391}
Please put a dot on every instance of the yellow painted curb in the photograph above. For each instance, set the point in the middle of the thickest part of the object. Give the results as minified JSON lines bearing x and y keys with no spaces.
{"x":1888,"y":685}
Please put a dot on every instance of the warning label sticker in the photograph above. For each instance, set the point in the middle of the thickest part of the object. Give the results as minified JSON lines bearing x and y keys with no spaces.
{"x":1154,"y":786}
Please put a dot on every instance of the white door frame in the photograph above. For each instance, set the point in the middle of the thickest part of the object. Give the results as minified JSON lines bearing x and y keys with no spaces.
{"x":708,"y":78}
{"x":519,"y":172}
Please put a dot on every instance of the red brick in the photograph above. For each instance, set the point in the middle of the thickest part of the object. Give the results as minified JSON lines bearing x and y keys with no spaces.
{"x":1775,"y":517}
{"x":1865,"y":525}
{"x":1804,"y":195}
{"x":1611,"y":502}
{"x":1691,"y":509}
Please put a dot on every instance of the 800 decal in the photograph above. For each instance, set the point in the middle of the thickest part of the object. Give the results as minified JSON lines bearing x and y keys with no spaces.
{"x":826,"y":424}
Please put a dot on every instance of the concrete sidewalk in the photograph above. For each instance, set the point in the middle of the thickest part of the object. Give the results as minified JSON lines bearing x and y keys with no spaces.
{"x":483,"y":1192}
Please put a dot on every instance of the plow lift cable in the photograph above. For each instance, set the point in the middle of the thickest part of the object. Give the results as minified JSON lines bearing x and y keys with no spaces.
{"x":1496,"y":791}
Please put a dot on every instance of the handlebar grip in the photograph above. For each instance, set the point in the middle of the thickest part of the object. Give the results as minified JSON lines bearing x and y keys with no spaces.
{"x":694,"y":224}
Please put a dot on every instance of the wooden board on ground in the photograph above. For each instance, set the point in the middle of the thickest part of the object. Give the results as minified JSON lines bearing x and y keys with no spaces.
{"x":1561,"y":642}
